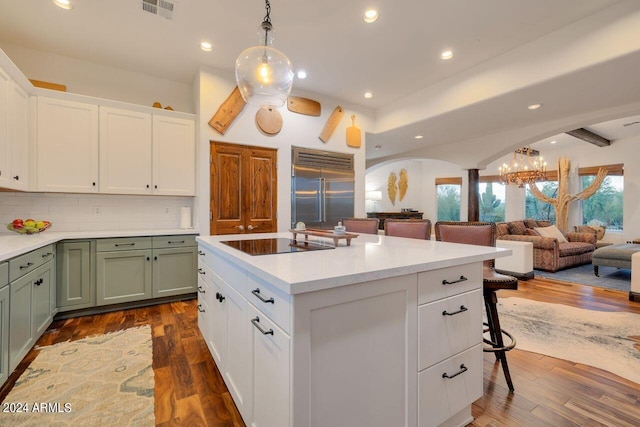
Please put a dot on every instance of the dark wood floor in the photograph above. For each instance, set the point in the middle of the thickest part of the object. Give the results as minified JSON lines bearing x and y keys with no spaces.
{"x":549,"y":392}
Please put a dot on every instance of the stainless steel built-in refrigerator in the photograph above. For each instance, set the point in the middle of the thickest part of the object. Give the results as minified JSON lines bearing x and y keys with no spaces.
{"x":321,"y":187}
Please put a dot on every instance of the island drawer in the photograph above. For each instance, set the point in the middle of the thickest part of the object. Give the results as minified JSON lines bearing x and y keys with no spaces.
{"x":4,"y":273}
{"x":123,"y":244}
{"x":448,"y":326}
{"x":450,"y":386}
{"x":449,"y":281}
{"x":23,"y":264}
{"x":173,"y":241}
{"x":272,"y":302}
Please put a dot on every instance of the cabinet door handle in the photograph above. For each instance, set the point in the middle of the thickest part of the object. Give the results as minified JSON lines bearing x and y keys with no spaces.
{"x":124,"y":244}
{"x":461,"y":279}
{"x":29,"y":264}
{"x":155,"y":258}
{"x":38,"y":282}
{"x":147,"y":185}
{"x":462,"y":309}
{"x":201,"y":290}
{"x":17,"y":178}
{"x":201,"y":271}
{"x":201,"y":253}
{"x":256,"y":292}
{"x":220,"y":297}
{"x":175,"y":242}
{"x":462,"y":370}
{"x":256,"y":322}
{"x":200,"y":309}
{"x":148,"y":258}
{"x":93,"y":184}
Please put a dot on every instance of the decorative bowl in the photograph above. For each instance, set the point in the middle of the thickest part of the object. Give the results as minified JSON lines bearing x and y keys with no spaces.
{"x":29,"y":230}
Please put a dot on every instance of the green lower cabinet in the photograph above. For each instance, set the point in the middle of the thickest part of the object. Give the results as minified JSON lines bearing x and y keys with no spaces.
{"x":4,"y":333}
{"x":43,"y":293}
{"x":123,"y":276}
{"x":174,"y":271}
{"x":75,"y":279}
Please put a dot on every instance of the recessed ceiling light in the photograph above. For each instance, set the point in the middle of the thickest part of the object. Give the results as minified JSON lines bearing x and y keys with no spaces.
{"x":534,"y":106}
{"x":368,"y":95}
{"x":302,"y":74}
{"x":65,"y":4}
{"x":370,"y":16}
{"x":447,"y":54}
{"x":552,"y":142}
{"x":206,"y":46}
{"x":377,"y":147}
{"x":418,"y":137}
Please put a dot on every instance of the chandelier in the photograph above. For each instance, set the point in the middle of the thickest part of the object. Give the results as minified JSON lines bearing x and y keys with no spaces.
{"x":263,"y":73}
{"x":527,"y":167}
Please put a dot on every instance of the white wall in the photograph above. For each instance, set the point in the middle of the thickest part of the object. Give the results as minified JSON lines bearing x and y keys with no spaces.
{"x":580,"y":154}
{"x":297,"y":130}
{"x":87,"y":78}
{"x":86,"y":212}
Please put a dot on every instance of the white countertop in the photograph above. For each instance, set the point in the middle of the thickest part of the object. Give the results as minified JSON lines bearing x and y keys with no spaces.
{"x":369,"y":257}
{"x":14,"y":244}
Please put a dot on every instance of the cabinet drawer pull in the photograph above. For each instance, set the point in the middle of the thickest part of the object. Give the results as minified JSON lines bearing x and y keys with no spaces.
{"x":47,"y":254}
{"x":201,"y":253}
{"x":29,"y":264}
{"x":201,"y":290}
{"x":38,"y":282}
{"x":220,"y":297}
{"x":462,"y":310}
{"x":256,"y":292}
{"x":461,"y":279}
{"x":200,"y":309}
{"x":201,"y":271}
{"x":175,"y":242}
{"x":124,"y":244}
{"x":255,"y":323}
{"x":462,"y":370}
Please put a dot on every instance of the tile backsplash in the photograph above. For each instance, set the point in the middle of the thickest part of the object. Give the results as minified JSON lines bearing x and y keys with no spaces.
{"x":82,"y":212}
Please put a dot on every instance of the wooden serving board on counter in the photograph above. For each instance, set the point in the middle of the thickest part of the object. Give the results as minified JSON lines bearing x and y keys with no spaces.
{"x":324,"y":233}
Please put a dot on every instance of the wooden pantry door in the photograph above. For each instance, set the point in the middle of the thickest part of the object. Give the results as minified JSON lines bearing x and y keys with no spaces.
{"x":243,"y":184}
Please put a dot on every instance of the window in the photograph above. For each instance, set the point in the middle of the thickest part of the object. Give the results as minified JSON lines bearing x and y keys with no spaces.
{"x":492,"y":196}
{"x":448,"y":202}
{"x":605,"y":206}
{"x":540,"y":210}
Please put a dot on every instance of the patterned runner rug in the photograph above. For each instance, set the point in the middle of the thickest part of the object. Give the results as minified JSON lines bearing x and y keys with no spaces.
{"x":105,"y":380}
{"x":605,"y":340}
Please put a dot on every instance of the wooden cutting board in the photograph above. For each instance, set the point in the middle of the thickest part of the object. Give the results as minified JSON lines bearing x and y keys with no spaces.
{"x":354,"y":136}
{"x":228,"y":111}
{"x":331,"y":124}
{"x":269,"y":120}
{"x":305,"y":106}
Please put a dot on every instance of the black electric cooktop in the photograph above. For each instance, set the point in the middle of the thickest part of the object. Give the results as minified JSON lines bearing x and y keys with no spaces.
{"x":275,"y":246}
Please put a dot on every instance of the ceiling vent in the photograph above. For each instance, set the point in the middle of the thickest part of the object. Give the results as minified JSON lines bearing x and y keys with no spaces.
{"x":162,"y":8}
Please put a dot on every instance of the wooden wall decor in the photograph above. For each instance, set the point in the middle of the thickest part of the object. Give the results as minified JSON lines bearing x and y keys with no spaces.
{"x":331,"y":124}
{"x":228,"y":111}
{"x":564,"y":199}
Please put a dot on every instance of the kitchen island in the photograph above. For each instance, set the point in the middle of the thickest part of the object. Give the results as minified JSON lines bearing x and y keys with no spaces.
{"x":384,"y":332}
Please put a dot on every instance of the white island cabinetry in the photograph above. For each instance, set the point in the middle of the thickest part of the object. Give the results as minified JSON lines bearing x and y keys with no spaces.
{"x":371,"y":334}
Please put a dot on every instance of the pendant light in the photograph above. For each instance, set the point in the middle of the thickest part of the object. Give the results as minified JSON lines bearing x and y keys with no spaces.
{"x":263,"y":73}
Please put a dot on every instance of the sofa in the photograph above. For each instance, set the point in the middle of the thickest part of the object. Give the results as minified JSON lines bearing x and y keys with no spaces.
{"x":549,"y":253}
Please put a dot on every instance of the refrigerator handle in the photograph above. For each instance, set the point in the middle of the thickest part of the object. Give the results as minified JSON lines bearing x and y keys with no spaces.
{"x":324,"y":200}
{"x":320,"y":200}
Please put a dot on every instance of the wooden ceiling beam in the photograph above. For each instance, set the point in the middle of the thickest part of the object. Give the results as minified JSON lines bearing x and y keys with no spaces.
{"x":590,"y":137}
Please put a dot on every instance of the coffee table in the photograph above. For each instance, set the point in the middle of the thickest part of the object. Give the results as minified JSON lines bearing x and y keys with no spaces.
{"x":614,"y":256}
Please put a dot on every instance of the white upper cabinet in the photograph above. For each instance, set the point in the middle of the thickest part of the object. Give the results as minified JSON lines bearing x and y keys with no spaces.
{"x":5,"y":153}
{"x":125,"y":151}
{"x":18,"y":137}
{"x":67,"y":147}
{"x":174,"y":156}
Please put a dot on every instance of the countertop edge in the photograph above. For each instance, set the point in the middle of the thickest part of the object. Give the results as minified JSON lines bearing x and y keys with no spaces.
{"x":21,"y":244}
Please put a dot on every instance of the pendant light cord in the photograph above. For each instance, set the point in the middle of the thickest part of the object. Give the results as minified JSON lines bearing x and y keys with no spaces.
{"x":266,"y":23}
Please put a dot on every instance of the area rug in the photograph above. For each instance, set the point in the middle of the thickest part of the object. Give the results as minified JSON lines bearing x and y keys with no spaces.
{"x":605,"y":340}
{"x":610,"y":277}
{"x":105,"y":380}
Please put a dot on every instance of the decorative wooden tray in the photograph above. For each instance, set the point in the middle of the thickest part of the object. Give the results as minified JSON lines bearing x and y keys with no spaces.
{"x":324,"y":233}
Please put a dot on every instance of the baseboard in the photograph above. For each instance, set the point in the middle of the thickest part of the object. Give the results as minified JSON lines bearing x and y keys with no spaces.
{"x":634,"y":296}
{"x":519,"y":276}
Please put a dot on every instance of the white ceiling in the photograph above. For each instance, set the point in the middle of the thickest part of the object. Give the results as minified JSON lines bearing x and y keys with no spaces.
{"x":396,"y":58}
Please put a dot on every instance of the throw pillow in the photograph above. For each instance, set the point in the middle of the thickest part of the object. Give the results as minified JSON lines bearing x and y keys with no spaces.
{"x":530,"y":223}
{"x":543,"y":223}
{"x":517,"y":228}
{"x":551,"y":231}
{"x":502,"y":229}
{"x":532,"y":232}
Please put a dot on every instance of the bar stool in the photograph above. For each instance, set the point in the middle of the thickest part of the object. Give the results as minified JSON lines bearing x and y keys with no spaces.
{"x":361,"y":225}
{"x":411,"y":228}
{"x":483,"y":233}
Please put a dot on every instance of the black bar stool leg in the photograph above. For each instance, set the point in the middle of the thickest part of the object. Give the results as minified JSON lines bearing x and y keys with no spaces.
{"x":490,"y":300}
